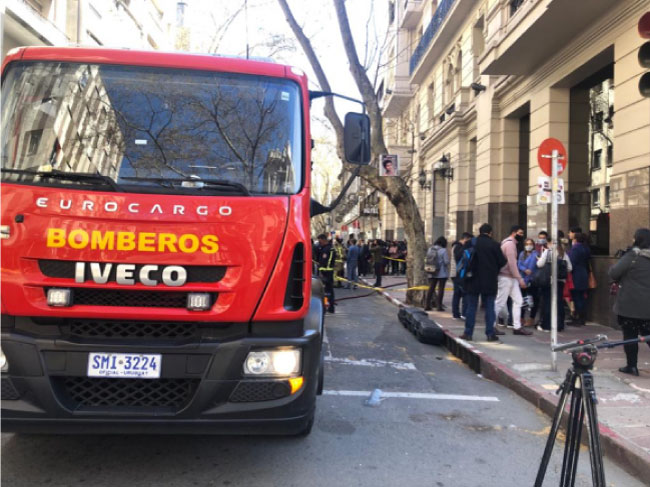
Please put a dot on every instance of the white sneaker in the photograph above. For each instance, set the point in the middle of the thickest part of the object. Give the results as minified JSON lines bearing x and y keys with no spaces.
{"x":539,"y":328}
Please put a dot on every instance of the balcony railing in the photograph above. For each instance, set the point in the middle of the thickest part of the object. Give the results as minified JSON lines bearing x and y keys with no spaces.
{"x":438,"y":18}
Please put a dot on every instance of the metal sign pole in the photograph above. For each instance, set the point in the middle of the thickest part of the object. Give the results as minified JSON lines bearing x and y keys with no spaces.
{"x":554,"y":257}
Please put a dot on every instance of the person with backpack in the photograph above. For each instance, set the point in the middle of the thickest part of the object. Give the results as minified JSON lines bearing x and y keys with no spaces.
{"x":437,"y":268}
{"x":457,"y":311}
{"x":632,"y":308}
{"x":543,"y":281}
{"x":478,"y":274}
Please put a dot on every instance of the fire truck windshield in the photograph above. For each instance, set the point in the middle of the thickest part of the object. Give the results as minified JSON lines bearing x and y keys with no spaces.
{"x":143,"y":127}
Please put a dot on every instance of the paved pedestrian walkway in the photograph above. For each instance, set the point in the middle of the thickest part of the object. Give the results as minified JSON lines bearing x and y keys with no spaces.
{"x":524,"y":364}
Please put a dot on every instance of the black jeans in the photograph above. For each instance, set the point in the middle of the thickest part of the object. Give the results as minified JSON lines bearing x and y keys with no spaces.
{"x":440,"y":283}
{"x":633,"y":328}
{"x":379,"y":268}
{"x":546,"y":311}
{"x":458,"y":310}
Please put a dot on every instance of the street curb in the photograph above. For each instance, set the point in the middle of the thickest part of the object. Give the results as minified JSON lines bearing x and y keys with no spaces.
{"x":620,"y":450}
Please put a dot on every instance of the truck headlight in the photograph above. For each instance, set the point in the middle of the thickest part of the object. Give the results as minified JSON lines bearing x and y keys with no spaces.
{"x":4,"y":365}
{"x":278,"y":363}
{"x":57,"y":296}
{"x":198,"y":301}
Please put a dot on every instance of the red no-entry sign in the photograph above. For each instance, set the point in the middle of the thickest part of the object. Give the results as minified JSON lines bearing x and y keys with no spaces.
{"x":545,"y":152}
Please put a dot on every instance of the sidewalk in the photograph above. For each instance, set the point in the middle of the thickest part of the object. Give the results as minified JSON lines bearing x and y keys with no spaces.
{"x":522,"y":364}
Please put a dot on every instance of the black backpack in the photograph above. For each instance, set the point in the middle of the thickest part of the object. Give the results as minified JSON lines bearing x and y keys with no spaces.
{"x":543,"y":276}
{"x":464,"y":267}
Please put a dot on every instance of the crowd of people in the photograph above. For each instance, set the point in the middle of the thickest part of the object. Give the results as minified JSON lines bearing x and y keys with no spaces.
{"x":353,"y":258}
{"x":511,"y":280}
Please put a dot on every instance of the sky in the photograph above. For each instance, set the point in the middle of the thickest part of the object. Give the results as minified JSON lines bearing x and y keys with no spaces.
{"x":262,"y":23}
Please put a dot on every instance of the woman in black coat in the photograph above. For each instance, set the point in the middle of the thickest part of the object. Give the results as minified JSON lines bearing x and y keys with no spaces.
{"x":632,"y":273}
{"x":580,"y":256}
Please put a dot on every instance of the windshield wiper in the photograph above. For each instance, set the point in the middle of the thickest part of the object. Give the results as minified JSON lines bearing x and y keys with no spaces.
{"x":70,"y":176}
{"x":191,"y":183}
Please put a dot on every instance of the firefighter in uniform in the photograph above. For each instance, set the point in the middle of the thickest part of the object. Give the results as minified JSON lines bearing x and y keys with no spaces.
{"x":325,"y":258}
{"x":340,"y":254}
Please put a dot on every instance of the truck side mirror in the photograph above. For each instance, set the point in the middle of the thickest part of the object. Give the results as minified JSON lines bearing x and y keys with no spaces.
{"x":356,"y":138}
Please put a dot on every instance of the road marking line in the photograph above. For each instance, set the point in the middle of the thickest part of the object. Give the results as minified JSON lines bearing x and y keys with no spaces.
{"x":372,"y":363}
{"x":413,"y":395}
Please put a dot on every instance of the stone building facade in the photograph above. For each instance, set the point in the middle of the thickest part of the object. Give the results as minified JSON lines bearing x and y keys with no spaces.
{"x":136,"y":24}
{"x":473,"y":87}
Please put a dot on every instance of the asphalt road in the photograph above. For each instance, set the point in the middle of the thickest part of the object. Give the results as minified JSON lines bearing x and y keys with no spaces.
{"x":447,"y":427}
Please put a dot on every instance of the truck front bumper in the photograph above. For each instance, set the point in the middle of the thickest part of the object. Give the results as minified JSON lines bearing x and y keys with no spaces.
{"x":201,"y":389}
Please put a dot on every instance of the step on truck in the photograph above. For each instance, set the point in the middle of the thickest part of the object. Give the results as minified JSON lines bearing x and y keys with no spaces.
{"x":155,"y":230}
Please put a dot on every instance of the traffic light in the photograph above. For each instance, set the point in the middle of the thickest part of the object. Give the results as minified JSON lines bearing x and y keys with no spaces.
{"x":644,"y":54}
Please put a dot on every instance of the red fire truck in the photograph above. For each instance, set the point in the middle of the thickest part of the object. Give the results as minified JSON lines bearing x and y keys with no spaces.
{"x":156,"y":257}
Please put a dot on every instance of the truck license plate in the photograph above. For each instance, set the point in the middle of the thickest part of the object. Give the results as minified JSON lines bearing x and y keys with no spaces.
{"x":126,"y":365}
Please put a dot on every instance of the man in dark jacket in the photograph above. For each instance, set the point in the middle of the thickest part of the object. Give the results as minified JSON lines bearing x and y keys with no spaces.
{"x":325,"y":257}
{"x":486,"y":263}
{"x":377,"y":254}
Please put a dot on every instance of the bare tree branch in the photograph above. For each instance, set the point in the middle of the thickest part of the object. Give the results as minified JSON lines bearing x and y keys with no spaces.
{"x":330,"y":111}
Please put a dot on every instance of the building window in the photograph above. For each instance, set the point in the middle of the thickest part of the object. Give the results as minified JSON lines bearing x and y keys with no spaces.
{"x":596,"y":159}
{"x":391,"y":12}
{"x":595,"y":198}
{"x":36,"y":5}
{"x":478,"y":46}
{"x":598,"y":122}
{"x":514,"y":6}
{"x":607,"y":196}
{"x":33,"y":141}
{"x":430,"y":97}
{"x":610,"y":155}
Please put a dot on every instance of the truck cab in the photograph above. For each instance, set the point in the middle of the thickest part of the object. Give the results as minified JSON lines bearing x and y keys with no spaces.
{"x":156,"y":256}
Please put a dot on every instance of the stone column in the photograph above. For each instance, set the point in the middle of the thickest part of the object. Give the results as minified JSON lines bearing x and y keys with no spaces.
{"x":549,"y":117}
{"x":496,"y":156}
{"x":630,"y":181}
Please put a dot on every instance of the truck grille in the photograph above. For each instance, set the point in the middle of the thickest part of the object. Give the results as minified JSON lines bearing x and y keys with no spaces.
{"x":132,"y":329}
{"x":132,"y":393}
{"x":195,"y":273}
{"x":118,"y":297}
{"x":257,"y":391}
{"x":9,"y":391}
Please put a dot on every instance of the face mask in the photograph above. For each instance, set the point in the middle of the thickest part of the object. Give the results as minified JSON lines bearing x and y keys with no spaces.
{"x":542,"y":241}
{"x":529,"y":248}
{"x":519,"y":238}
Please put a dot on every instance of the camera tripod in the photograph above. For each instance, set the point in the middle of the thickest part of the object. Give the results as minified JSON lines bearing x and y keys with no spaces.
{"x":579,"y":384}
